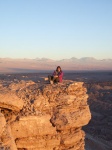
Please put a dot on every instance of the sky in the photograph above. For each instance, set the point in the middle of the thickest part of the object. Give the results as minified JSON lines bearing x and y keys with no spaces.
{"x":56,"y":29}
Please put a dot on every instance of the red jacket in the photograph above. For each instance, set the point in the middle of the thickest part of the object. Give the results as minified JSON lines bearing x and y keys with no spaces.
{"x":59,"y":74}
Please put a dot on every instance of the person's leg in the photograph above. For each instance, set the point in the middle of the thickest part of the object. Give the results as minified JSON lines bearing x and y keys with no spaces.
{"x":56,"y":80}
{"x":51,"y":79}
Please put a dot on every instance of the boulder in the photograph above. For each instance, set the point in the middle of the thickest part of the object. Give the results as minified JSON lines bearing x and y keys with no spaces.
{"x":32,"y":126}
{"x":11,"y":101}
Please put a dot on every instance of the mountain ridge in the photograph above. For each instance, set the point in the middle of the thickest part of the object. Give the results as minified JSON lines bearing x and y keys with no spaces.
{"x":32,"y":65}
{"x":45,"y":58}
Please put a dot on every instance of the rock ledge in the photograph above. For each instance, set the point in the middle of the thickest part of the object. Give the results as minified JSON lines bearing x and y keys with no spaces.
{"x":43,"y":117}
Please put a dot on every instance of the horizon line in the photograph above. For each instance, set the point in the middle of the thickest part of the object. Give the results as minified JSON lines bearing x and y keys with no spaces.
{"x":52,"y":58}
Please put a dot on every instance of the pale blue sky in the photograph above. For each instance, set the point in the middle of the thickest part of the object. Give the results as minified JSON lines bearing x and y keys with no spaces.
{"x":56,"y":28}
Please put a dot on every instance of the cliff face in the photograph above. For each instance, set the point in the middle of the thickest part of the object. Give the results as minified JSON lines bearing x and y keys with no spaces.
{"x":42,"y":116}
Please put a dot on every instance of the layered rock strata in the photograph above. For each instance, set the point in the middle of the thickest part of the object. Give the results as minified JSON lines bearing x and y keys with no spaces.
{"x":42,"y":116}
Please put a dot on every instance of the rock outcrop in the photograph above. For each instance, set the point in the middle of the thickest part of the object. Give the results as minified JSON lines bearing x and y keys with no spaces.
{"x":42,"y":116}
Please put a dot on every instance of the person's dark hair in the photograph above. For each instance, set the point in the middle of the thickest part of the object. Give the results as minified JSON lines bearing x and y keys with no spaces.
{"x":58,"y":67}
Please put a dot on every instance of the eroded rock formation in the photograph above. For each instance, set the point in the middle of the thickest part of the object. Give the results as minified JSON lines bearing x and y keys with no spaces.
{"x":42,"y":116}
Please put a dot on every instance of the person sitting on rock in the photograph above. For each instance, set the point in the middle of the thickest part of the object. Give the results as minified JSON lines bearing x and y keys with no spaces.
{"x":57,"y":76}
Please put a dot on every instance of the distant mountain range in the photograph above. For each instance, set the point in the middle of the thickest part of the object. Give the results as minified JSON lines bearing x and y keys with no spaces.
{"x":33,"y":65}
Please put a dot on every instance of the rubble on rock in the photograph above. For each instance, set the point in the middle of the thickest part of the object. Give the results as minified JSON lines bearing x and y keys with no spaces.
{"x":43,"y":116}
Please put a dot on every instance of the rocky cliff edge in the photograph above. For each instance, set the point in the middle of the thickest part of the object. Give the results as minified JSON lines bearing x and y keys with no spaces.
{"x":36,"y":116}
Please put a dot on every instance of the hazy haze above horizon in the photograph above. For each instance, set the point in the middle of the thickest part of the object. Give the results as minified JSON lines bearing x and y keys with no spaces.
{"x":56,"y":29}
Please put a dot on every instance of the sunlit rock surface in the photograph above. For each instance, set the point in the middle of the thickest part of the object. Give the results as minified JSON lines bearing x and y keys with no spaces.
{"x":43,"y":116}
